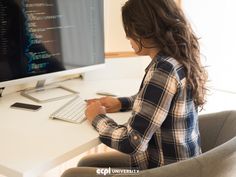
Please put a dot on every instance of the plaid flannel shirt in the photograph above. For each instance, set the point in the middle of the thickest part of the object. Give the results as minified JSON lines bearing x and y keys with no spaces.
{"x":163,"y":127}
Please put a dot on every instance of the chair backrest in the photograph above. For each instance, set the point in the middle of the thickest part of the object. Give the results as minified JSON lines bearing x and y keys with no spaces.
{"x":217,"y":128}
{"x":218,"y":135}
{"x":228,"y":130}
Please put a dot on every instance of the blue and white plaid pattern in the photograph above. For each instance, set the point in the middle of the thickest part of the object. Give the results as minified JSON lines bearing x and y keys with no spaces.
{"x":163,"y":127}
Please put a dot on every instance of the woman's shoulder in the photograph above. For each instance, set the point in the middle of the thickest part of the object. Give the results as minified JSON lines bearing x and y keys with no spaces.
{"x":168,"y":66}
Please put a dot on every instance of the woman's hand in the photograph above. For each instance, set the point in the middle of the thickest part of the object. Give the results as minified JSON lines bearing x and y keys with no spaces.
{"x":111,"y":104}
{"x":95,"y":108}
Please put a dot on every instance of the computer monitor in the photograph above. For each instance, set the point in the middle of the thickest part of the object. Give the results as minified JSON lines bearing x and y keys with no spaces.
{"x":42,"y":39}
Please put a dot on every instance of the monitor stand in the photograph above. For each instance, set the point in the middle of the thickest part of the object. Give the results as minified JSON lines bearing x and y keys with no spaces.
{"x":42,"y":93}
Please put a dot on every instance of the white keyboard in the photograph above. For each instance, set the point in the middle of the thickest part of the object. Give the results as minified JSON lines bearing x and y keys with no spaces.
{"x":72,"y":111}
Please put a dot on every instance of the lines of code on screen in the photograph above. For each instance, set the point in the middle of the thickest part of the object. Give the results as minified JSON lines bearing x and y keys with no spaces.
{"x":46,"y":36}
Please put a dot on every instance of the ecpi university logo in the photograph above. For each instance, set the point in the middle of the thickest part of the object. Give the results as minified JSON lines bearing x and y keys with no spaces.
{"x":113,"y":171}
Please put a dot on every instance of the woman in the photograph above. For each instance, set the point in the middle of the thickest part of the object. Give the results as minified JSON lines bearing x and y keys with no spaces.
{"x":163,"y":127}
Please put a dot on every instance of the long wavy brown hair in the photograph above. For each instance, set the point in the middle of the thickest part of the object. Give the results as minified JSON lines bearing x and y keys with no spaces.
{"x":164,"y":23}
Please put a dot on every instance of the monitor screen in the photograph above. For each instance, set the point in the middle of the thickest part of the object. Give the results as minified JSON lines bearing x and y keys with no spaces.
{"x":46,"y":36}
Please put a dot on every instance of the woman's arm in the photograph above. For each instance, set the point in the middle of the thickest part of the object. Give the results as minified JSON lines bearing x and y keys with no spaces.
{"x":115,"y":104}
{"x":127,"y":102}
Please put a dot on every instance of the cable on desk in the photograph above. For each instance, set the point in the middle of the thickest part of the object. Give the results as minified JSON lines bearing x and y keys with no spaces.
{"x":1,"y":90}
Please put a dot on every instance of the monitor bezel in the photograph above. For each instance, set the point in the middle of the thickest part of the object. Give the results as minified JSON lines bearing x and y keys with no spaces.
{"x":52,"y":75}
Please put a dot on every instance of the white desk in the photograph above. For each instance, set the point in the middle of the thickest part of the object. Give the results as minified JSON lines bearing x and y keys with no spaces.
{"x":31,"y":143}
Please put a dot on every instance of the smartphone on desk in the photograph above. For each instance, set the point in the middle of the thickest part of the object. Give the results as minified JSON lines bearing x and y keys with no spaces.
{"x":30,"y":107}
